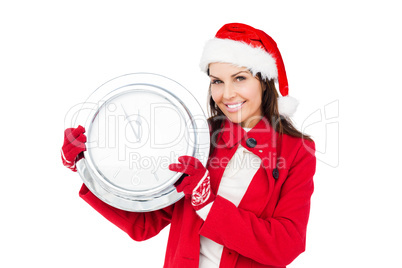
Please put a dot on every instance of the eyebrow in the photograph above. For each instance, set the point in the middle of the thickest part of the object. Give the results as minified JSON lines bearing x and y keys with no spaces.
{"x":233,"y":75}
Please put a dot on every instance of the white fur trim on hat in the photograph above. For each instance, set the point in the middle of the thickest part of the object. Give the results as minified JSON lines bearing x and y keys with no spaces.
{"x":287,"y":105}
{"x":256,"y":59}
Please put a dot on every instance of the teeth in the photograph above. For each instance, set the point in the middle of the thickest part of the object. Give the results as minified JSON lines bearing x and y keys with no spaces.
{"x":235,"y":105}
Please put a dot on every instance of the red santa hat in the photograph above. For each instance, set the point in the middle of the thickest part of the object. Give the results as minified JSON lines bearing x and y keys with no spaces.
{"x":245,"y":46}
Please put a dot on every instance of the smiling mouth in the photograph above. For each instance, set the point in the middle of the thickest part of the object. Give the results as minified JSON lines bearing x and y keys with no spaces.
{"x":234,"y":107}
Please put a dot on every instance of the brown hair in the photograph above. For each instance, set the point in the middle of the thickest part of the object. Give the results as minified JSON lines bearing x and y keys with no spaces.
{"x":281,"y":124}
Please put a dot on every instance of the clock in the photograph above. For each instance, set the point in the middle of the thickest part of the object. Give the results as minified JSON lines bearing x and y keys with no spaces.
{"x":136,"y":125}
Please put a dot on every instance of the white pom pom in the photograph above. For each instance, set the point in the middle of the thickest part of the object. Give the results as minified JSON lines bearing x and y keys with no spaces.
{"x":287,"y":105}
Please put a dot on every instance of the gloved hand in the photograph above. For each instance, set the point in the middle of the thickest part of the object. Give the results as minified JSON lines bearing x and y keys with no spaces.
{"x":197,"y":184}
{"x":74,"y":144}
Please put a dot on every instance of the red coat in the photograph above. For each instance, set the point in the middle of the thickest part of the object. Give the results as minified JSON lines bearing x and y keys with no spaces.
{"x":267,"y":229}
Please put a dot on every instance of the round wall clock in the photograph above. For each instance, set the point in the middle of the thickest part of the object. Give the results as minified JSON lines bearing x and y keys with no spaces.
{"x":136,"y":125}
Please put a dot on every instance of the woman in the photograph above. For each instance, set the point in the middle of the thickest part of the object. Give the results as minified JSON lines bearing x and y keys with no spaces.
{"x":249,"y":206}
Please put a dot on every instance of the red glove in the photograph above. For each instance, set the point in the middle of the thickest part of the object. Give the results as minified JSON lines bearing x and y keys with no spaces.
{"x":74,"y":144}
{"x":197,"y":184}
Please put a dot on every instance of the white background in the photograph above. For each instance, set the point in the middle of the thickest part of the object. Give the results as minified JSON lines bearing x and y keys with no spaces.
{"x":343,"y":61}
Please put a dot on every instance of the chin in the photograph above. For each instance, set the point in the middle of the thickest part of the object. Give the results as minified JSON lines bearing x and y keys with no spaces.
{"x":234,"y":120}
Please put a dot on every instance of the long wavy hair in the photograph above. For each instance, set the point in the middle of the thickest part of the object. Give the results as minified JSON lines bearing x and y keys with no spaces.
{"x":281,"y":124}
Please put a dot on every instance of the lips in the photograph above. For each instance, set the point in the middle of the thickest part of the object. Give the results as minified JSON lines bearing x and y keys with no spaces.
{"x":233,"y":107}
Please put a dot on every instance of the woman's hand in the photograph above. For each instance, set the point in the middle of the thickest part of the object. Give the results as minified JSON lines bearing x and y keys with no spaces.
{"x":197,"y":184}
{"x":74,"y":144}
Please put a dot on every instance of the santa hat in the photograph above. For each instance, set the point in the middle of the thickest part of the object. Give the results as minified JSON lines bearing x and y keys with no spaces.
{"x":245,"y":46}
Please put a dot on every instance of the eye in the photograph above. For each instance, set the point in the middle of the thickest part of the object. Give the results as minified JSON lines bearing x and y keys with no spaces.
{"x":216,"y":82}
{"x":240,"y":78}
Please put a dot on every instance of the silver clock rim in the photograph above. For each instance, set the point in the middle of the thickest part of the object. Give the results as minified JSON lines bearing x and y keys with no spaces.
{"x":147,"y":201}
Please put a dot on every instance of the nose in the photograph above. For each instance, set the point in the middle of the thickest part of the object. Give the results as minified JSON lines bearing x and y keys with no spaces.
{"x":229,"y":91}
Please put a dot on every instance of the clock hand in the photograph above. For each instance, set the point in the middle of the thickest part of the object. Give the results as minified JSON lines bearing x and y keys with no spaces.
{"x":155,"y":175}
{"x":132,"y":127}
{"x":139,"y":125}
{"x":116,"y":173}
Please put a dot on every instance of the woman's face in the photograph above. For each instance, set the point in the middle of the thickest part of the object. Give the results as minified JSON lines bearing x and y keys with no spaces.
{"x":237,"y":93}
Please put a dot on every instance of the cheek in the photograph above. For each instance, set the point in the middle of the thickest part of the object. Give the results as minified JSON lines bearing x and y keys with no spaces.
{"x":216,"y":96}
{"x":258,"y":101}
{"x":254,"y":91}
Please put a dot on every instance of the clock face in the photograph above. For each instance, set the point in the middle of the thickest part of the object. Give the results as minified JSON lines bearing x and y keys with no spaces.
{"x":133,"y":133}
{"x":135,"y":136}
